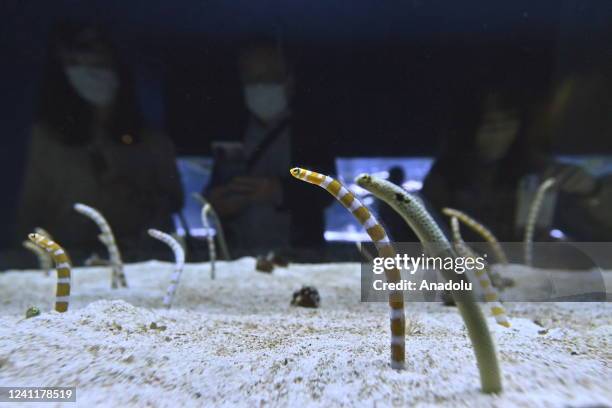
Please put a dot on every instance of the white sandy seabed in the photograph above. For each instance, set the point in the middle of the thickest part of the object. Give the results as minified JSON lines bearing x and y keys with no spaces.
{"x":236,"y":341}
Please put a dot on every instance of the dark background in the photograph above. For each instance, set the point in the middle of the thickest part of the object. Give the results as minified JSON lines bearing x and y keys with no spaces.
{"x":383,"y":74}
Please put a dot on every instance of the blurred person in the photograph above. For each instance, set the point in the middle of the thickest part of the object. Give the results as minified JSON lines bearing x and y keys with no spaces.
{"x":486,"y":162}
{"x":579,"y":110}
{"x":89,"y":144}
{"x":261,"y":206}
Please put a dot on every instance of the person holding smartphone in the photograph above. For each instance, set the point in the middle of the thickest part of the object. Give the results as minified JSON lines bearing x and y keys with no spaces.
{"x":261,"y":207}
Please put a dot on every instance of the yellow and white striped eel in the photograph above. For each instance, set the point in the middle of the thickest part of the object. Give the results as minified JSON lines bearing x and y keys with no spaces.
{"x":62,"y":264}
{"x":481,"y":230}
{"x":534,"y":210}
{"x":379,"y":237}
{"x":45,"y":262}
{"x":218,"y":227}
{"x":108,"y":239}
{"x":435,"y":244}
{"x":46,"y":234}
{"x":211,"y":241}
{"x":179,"y":262}
{"x":482,"y":275}
{"x":43,"y":232}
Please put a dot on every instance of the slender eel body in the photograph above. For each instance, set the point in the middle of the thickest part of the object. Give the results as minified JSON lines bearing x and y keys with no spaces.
{"x":182,"y":241}
{"x":44,"y":260}
{"x":43,"y":232}
{"x":108,"y":239}
{"x":484,"y":232}
{"x":481,"y":230}
{"x":179,"y":262}
{"x":62,"y":264}
{"x":532,"y":217}
{"x":211,"y":241}
{"x":364,"y":252}
{"x":436,"y":244}
{"x":46,"y":234}
{"x":379,"y":236}
{"x":491,"y":295}
{"x":219,"y":228}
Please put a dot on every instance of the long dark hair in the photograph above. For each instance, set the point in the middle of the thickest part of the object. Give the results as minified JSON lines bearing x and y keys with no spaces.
{"x":63,"y":110}
{"x":459,"y":150}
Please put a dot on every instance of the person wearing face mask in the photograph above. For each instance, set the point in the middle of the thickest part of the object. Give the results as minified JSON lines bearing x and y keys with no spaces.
{"x":251,"y":188}
{"x":486,"y":155}
{"x":488,"y":163}
{"x":89,"y":144}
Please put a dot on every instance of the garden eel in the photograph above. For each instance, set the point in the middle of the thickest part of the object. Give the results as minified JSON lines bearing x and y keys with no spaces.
{"x":532,"y":217}
{"x":219,"y":228}
{"x":44,"y":260}
{"x":108,"y":239}
{"x":46,"y":234}
{"x":62,"y":265}
{"x":431,"y":236}
{"x":482,"y":275}
{"x":481,"y":230}
{"x":211,"y":241}
{"x":364,"y":251}
{"x":379,"y":237}
{"x":182,"y":241}
{"x":43,"y":232}
{"x":179,"y":262}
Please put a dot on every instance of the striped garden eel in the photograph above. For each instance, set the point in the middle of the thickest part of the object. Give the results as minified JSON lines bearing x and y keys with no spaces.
{"x":179,"y":262}
{"x":481,"y":230}
{"x":435,"y":244}
{"x":211,"y":241}
{"x":43,"y":232}
{"x":62,"y":265}
{"x":108,"y":239}
{"x":482,"y":275}
{"x":532,"y":217}
{"x":45,"y":262}
{"x":219,"y":228}
{"x":378,"y":235}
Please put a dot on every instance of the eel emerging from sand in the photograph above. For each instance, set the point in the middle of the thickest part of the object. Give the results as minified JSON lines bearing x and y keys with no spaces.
{"x":179,"y":262}
{"x":379,"y":236}
{"x":206,"y":210}
{"x":435,"y":243}
{"x":481,"y":230}
{"x":491,"y":296}
{"x":62,"y":264}
{"x":532,"y":217}
{"x":108,"y":239}
{"x":219,"y":228}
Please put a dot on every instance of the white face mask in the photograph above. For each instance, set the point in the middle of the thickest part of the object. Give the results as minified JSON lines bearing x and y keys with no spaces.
{"x":97,"y":86}
{"x":266,"y":101}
